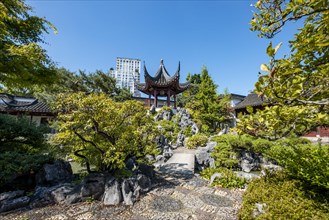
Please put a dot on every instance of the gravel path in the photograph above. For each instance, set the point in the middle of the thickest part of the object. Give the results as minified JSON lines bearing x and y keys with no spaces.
{"x":174,"y":196}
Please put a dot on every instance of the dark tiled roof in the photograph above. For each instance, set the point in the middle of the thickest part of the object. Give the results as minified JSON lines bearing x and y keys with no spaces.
{"x":10,"y":103}
{"x":251,"y":100}
{"x":237,"y":96}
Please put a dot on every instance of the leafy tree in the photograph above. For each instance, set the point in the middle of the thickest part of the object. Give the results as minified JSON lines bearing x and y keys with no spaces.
{"x":189,"y":94}
{"x":70,"y":82}
{"x":23,"y":147}
{"x":23,"y":62}
{"x":301,"y":78}
{"x":208,"y":108}
{"x":297,"y":84}
{"x":96,"y":130}
{"x":276,"y":122}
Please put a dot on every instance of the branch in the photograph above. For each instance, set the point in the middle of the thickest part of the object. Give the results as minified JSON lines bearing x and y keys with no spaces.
{"x":90,"y":142}
{"x":76,"y":153}
{"x":102,"y":133}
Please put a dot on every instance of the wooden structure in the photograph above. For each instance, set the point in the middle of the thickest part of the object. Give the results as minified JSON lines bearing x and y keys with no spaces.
{"x":38,"y":112}
{"x":162,"y":85}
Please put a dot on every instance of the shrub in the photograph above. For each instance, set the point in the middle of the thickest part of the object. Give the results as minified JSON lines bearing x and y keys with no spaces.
{"x":23,"y":148}
{"x":237,"y":142}
{"x":284,"y":199}
{"x":228,"y":147}
{"x":228,"y":179}
{"x":168,"y":128}
{"x":224,"y":155}
{"x":188,"y":131}
{"x":261,"y":145}
{"x":306,"y":162}
{"x":197,"y":140}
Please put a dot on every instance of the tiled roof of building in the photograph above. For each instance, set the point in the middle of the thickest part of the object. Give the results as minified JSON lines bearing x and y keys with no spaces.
{"x":237,"y":96}
{"x":251,"y":100}
{"x":10,"y":103}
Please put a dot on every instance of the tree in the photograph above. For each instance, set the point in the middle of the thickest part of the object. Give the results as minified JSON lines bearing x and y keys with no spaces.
{"x":23,"y":62}
{"x":301,"y":78}
{"x":71,"y":82}
{"x":208,"y":108}
{"x":23,"y":147}
{"x":297,"y":85}
{"x":98,"y":131}
{"x":189,"y":94}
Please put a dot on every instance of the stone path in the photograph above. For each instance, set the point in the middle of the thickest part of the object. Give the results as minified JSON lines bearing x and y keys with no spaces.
{"x":177,"y":194}
{"x":182,"y":162}
{"x":172,"y":197}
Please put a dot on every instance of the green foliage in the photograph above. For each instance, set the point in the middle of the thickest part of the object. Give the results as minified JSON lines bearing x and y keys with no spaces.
{"x":276,"y":122}
{"x":209,"y":109}
{"x":168,"y":129}
{"x":197,"y":140}
{"x":189,"y":94}
{"x":305,"y":162}
{"x":188,"y":131}
{"x":23,"y":148}
{"x":228,"y":179}
{"x":70,"y":82}
{"x":229,"y":147}
{"x":284,"y":199}
{"x":298,"y":83}
{"x":98,"y":131}
{"x":23,"y":62}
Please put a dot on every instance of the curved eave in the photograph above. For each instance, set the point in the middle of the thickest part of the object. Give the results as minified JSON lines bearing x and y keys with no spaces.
{"x":183,"y":86}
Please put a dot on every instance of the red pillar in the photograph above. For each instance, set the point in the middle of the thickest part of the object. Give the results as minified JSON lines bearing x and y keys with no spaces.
{"x":149,"y":101}
{"x":155,"y":99}
{"x":175,"y":101}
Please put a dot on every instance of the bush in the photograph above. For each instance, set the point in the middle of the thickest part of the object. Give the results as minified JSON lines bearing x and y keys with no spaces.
{"x":283,"y":199}
{"x":228,"y":147}
{"x":237,"y":142}
{"x":197,"y":140}
{"x":188,"y":131}
{"x":306,"y":162}
{"x":228,"y":179}
{"x":168,"y":129}
{"x":23,"y":148}
{"x":225,"y":156}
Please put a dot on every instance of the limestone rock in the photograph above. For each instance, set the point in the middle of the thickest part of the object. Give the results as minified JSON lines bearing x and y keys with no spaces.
{"x":11,"y":204}
{"x":93,"y":186}
{"x":249,"y":161}
{"x":215,"y":176}
{"x":11,"y":195}
{"x":53,"y":174}
{"x":112,"y":194}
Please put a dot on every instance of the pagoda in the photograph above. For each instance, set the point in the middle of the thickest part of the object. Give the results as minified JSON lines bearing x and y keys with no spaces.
{"x":162,"y":85}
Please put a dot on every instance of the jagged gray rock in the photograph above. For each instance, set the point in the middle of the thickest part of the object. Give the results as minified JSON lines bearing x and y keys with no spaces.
{"x":215,"y":176}
{"x":93,"y":186}
{"x":11,"y":195}
{"x":128,"y":192}
{"x":53,"y":174}
{"x":249,"y":161}
{"x":112,"y":194}
{"x":59,"y":194}
{"x":11,"y":204}
{"x":248,"y":176}
{"x":180,"y":139}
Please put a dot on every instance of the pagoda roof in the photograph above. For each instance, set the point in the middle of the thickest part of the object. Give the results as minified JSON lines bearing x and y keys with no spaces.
{"x":162,"y":81}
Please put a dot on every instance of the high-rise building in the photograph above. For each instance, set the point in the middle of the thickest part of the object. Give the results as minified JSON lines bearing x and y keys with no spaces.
{"x":126,"y":73}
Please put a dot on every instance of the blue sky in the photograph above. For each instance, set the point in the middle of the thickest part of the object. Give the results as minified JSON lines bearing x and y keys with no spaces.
{"x":91,"y":34}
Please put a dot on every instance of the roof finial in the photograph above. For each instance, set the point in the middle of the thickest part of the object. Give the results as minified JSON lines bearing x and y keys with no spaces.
{"x":161,"y":62}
